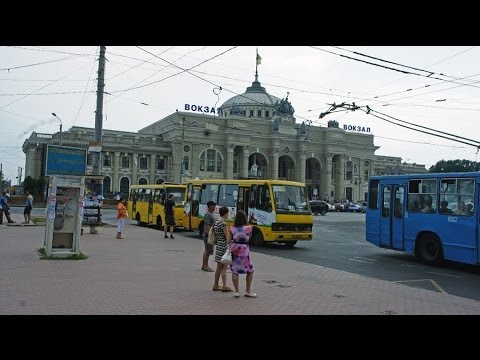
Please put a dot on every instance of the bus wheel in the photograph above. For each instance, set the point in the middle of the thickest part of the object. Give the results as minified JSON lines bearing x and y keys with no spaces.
{"x":200,"y":230}
{"x":429,"y":249}
{"x":290,"y":244}
{"x":139,"y":222}
{"x":257,"y":238}
{"x":159,"y":223}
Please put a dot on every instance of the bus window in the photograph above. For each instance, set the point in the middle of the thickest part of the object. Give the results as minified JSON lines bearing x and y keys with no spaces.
{"x":263,"y":198}
{"x":209,"y":192}
{"x":422,"y":195}
{"x":373,"y":195}
{"x":227,"y":195}
{"x":398,"y":205}
{"x":386,"y":201}
{"x":457,"y":196}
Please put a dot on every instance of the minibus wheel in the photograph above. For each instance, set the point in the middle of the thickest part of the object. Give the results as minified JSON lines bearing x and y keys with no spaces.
{"x":257,"y":238}
{"x":159,"y":223}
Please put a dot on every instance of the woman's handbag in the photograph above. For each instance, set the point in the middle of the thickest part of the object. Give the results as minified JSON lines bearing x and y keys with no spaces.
{"x":227,"y":257}
{"x":212,"y":240}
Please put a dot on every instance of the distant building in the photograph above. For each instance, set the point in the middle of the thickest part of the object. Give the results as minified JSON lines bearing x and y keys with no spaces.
{"x":253,"y":134}
{"x":391,"y":165}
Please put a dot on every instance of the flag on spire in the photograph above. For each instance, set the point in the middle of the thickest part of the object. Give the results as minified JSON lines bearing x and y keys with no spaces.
{"x":259,"y":59}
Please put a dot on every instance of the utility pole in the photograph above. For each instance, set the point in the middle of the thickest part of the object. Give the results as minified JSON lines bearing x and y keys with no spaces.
{"x":97,"y":183}
{"x":183,"y":151}
{"x":20,"y":170}
{"x":99,"y":117}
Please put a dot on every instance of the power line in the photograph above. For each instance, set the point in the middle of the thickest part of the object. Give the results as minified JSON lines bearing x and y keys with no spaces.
{"x":391,"y":68}
{"x":40,"y":63}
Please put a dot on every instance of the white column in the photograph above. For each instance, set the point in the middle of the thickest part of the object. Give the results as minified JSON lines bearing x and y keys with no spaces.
{"x":246,"y":154}
{"x":116,"y":166}
{"x":229,"y":167}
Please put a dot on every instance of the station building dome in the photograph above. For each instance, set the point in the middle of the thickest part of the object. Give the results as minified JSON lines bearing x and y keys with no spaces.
{"x":256,"y":102}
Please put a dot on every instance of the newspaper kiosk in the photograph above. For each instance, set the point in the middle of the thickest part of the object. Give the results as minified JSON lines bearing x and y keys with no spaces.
{"x":64,"y":215}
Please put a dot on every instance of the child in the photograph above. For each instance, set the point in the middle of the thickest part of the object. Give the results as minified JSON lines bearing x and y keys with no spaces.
{"x":121,"y":216}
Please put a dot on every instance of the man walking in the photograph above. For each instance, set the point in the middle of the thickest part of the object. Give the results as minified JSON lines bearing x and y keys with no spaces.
{"x":169,"y":216}
{"x":6,"y":207}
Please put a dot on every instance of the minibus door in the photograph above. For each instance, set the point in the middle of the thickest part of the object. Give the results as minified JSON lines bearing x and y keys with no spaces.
{"x":150,"y":206}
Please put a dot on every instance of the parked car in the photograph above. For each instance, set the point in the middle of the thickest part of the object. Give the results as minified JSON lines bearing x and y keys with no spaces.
{"x":354,"y":207}
{"x":364,"y":206}
{"x":319,"y":207}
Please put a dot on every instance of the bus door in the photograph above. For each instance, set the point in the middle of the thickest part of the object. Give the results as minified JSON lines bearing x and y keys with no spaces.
{"x":133,"y":198}
{"x":194,"y":220}
{"x":149,"y":194}
{"x":242,"y":199}
{"x":252,"y":195}
{"x":392,"y":215}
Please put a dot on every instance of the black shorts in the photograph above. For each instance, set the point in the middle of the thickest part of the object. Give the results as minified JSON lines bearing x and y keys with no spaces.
{"x":169,"y":220}
{"x":27,"y":210}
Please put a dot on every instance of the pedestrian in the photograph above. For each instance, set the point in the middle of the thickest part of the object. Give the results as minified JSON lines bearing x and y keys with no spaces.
{"x":208,"y":221}
{"x":239,"y":235}
{"x":169,"y":216}
{"x":28,"y":207}
{"x":221,"y":233}
{"x":6,"y":207}
{"x":121,"y":216}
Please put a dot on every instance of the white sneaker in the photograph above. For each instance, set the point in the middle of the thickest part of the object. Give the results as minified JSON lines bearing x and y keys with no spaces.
{"x":237,"y":295}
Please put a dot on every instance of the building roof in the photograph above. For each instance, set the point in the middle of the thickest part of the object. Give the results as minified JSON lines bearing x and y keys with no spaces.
{"x":256,"y":95}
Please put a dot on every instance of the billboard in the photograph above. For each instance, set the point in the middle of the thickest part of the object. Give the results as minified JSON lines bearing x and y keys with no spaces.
{"x":63,"y":160}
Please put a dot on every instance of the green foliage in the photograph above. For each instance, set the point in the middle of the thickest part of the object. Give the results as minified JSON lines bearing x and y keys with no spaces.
{"x":444,"y":166}
{"x":35,"y":186}
{"x":43,"y":256}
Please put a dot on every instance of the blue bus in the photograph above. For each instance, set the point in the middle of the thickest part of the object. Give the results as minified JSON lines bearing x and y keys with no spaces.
{"x":433,"y":216}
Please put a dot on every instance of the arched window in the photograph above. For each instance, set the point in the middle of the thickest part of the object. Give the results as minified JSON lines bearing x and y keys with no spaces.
{"x":259,"y":113}
{"x":267,"y":113}
{"x":235,"y":166}
{"x":251,"y":113}
{"x":124,"y":185}
{"x":106,"y":184}
{"x":160,"y":181}
{"x":211,"y":160}
{"x":185,"y":162}
{"x":142,"y":181}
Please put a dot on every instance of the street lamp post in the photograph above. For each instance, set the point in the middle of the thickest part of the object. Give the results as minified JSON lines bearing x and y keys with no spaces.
{"x":182,"y":162}
{"x":60,"y":126}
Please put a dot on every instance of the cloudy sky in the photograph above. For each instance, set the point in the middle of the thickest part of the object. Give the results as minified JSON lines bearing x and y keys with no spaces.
{"x":434,"y":87}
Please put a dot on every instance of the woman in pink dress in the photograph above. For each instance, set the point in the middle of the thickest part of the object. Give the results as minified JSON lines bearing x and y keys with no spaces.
{"x":239,"y":235}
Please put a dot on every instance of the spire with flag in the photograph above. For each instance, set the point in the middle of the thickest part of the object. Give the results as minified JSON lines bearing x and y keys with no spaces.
{"x":259,"y":61}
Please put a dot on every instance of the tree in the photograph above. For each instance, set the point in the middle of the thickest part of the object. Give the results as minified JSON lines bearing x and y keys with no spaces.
{"x":35,"y":186}
{"x":457,"y":165}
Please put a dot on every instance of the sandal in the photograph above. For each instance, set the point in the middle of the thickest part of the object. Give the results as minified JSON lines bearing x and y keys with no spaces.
{"x":252,"y":295}
{"x":226,"y":289}
{"x":209,"y":269}
{"x":217,"y":288}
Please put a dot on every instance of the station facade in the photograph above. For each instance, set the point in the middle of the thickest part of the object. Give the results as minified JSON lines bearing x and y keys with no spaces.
{"x":253,"y":134}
